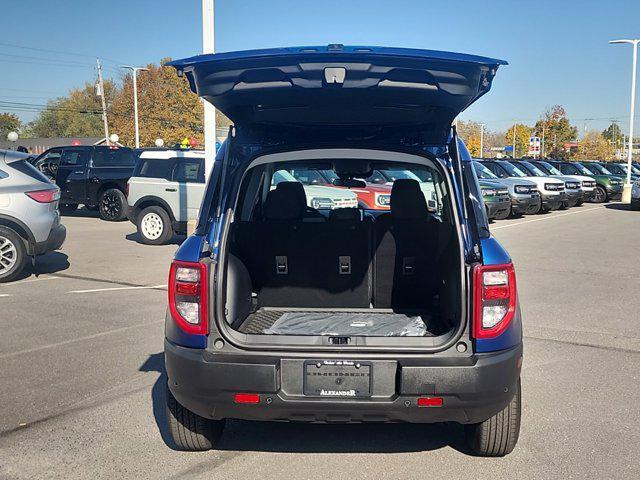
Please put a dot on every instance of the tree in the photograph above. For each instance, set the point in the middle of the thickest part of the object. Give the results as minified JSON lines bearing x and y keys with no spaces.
{"x":469,"y":132}
{"x":167,"y":108}
{"x":557,"y":130}
{"x":77,"y":115}
{"x":594,"y":146}
{"x":9,"y":122}
{"x":613,"y":135}
{"x":522,"y":139}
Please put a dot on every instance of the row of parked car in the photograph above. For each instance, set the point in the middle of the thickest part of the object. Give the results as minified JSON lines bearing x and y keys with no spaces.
{"x":523,"y":187}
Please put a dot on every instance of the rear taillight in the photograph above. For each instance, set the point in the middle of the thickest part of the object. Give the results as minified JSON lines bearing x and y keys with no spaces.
{"x":188,"y":296}
{"x":44,"y":196}
{"x":494,"y":299}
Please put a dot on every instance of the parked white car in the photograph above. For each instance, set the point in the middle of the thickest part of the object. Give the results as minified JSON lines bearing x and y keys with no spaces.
{"x":320,"y":196}
{"x":587,"y":184}
{"x":165,"y":191}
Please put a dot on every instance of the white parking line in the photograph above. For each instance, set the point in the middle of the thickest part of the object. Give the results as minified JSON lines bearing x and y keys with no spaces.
{"x":546,"y":218}
{"x":80,"y":339}
{"x":5,"y":295}
{"x":20,"y":282}
{"x":113,"y":289}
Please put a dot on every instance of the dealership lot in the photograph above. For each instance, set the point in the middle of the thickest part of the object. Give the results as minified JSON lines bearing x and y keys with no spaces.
{"x":82,"y":369}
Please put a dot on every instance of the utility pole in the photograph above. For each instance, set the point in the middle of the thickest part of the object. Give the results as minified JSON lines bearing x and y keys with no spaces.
{"x":542,"y":148}
{"x":134,"y":72}
{"x":514,"y":141}
{"x":482,"y":140}
{"x":104,"y":102}
{"x":208,"y":46}
{"x":626,"y":192}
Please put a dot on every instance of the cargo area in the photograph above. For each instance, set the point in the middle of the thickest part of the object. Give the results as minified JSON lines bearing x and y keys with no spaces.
{"x":295,"y":270}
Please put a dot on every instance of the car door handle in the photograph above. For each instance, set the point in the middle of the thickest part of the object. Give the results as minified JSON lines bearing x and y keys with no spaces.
{"x":78,"y":172}
{"x":169,"y":189}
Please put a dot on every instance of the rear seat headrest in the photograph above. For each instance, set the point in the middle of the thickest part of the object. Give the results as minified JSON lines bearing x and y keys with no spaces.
{"x":345,"y":214}
{"x":287,"y":202}
{"x":407,"y":200}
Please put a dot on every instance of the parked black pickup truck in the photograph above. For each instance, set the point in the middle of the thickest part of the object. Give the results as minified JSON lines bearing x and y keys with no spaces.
{"x":95,"y":176}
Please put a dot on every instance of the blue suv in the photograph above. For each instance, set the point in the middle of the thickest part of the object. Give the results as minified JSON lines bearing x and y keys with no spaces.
{"x":280,"y":311}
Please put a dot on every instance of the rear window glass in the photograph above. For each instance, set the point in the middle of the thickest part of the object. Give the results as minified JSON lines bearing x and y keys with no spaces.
{"x":151,"y":168}
{"x":3,"y":174}
{"x":113,"y":157}
{"x":188,"y":171}
{"x":325,"y":190}
{"x":26,"y":168}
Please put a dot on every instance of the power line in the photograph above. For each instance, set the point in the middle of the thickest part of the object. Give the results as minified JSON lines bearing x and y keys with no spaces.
{"x":61,"y":52}
{"x":45,"y":59}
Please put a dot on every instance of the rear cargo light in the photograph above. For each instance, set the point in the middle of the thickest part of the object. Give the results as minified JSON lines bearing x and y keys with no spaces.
{"x":44,"y":196}
{"x":494,"y":299}
{"x":430,"y":401}
{"x":188,"y":299}
{"x":251,"y":398}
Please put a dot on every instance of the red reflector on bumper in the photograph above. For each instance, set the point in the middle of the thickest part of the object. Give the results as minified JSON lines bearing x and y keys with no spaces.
{"x":430,"y":402}
{"x":252,"y":398}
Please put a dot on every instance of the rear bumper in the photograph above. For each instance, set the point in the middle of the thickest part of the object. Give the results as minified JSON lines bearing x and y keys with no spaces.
{"x":473,"y":388}
{"x":53,"y":242}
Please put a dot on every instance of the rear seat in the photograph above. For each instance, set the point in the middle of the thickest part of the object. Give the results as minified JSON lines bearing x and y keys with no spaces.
{"x":405,"y":250}
{"x":346,"y":261}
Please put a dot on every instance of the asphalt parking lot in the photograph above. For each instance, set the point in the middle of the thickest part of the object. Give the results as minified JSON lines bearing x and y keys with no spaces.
{"x":82,"y":374}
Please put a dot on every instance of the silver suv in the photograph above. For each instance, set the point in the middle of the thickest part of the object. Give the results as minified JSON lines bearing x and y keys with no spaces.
{"x":29,"y":216}
{"x":165,"y":191}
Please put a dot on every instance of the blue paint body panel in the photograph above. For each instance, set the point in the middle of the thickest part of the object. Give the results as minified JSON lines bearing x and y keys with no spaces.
{"x":190,"y":250}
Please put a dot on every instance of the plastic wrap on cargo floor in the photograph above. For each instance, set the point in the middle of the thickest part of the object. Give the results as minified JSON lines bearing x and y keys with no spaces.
{"x":349,"y":324}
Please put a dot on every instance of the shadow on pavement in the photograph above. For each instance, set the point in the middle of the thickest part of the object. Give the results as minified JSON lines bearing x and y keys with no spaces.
{"x":52,"y":262}
{"x":175,"y":240}
{"x":240,"y":435}
{"x":618,"y":206}
{"x":155,"y":363}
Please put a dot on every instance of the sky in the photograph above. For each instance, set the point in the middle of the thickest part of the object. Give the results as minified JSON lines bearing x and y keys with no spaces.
{"x":558,"y":51}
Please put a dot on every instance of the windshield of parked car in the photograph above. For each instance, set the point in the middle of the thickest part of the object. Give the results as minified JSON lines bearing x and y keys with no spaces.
{"x":583,"y":169}
{"x":550,"y":169}
{"x":483,"y":172}
{"x":512,"y":170}
{"x":282,"y":176}
{"x":532,"y":169}
{"x":597,"y":168}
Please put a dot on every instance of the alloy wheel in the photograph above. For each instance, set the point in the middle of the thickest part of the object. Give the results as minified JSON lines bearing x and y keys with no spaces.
{"x":110,"y":205}
{"x":8,"y":255}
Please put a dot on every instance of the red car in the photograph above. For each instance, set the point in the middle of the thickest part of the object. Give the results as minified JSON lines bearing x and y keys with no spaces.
{"x":371,"y":197}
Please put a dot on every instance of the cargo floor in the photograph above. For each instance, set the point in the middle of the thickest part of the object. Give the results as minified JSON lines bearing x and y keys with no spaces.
{"x":359,"y":322}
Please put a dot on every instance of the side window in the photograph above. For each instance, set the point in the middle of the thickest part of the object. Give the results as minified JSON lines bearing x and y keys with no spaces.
{"x":3,"y":174}
{"x":113,"y":157}
{"x":74,"y":157}
{"x":497,"y":170}
{"x":569,"y":169}
{"x":52,"y":157}
{"x":377,"y":178}
{"x":308,"y":176}
{"x":189,"y":171}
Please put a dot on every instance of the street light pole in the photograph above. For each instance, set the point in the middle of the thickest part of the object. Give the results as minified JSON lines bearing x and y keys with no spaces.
{"x":626,"y":193}
{"x":134,"y":72}
{"x":208,"y":46}
{"x":482,"y":140}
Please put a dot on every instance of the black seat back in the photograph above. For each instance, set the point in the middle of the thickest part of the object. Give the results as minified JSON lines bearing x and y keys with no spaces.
{"x":405,"y":249}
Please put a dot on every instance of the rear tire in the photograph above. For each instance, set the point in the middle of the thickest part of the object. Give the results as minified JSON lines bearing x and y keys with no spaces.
{"x":13,"y":254}
{"x":67,"y":208}
{"x":189,"y":431}
{"x":112,"y":205}
{"x":154,"y":226}
{"x":498,"y":435}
